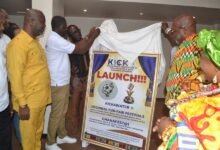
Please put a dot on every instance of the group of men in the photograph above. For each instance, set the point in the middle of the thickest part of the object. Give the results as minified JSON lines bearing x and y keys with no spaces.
{"x":37,"y":77}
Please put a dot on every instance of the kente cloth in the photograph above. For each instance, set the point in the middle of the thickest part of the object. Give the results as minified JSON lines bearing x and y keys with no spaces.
{"x":187,"y":138}
{"x":209,"y":41}
{"x":184,"y":69}
{"x":181,"y":137}
{"x":202,"y":115}
{"x":131,"y":44}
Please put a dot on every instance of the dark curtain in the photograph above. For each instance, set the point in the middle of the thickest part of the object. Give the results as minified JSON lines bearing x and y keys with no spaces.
{"x":148,"y":64}
{"x":98,"y":62}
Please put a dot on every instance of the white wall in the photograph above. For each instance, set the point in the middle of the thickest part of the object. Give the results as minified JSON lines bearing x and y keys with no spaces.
{"x":58,"y":8}
{"x":123,"y":25}
{"x":17,"y":19}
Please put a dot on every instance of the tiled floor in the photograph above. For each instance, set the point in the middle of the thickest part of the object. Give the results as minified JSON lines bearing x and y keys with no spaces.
{"x":76,"y":146}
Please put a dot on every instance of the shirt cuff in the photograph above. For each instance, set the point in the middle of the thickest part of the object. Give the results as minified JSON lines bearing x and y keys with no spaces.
{"x":22,"y":102}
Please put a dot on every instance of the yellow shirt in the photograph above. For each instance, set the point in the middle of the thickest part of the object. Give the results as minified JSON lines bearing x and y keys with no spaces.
{"x":28,"y":72}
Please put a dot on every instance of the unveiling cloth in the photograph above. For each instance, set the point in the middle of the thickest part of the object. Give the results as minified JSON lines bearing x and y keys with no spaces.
{"x":131,"y":44}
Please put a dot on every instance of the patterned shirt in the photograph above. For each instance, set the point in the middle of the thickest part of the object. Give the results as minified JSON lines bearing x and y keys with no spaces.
{"x":81,"y":62}
{"x":185,"y":68}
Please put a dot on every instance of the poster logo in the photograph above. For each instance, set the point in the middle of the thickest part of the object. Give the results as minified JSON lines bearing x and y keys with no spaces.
{"x":120,"y":65}
{"x":108,"y":90}
{"x":129,"y":99}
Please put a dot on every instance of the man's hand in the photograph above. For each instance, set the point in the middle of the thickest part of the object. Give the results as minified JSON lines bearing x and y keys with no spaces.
{"x":24,"y":113}
{"x":155,"y":128}
{"x":74,"y":71}
{"x":164,"y":26}
{"x":84,"y":45}
{"x":162,"y":124}
{"x":94,"y":32}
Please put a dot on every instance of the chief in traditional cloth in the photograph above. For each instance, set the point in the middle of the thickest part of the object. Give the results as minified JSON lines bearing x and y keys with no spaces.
{"x":182,"y":77}
{"x":202,"y":112}
{"x":198,"y":110}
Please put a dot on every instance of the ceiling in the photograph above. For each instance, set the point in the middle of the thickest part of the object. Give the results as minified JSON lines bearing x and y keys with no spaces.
{"x":154,"y":10}
{"x":14,"y":6}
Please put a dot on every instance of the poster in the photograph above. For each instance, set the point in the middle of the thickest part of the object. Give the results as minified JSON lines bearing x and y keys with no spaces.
{"x":120,"y":101}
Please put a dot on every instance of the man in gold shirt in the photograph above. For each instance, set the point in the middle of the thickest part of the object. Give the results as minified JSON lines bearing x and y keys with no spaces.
{"x":30,"y":80}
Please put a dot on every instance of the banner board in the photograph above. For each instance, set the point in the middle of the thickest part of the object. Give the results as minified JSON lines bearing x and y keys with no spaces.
{"x":120,"y":101}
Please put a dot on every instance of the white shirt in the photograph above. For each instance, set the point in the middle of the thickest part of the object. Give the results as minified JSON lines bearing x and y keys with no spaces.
{"x":4,"y":97}
{"x":57,"y":50}
{"x":172,"y":53}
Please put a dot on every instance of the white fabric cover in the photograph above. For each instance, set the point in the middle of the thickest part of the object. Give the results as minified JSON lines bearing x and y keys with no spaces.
{"x":131,"y":44}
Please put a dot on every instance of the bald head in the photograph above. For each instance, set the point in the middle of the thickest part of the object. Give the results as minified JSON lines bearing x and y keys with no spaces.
{"x":184,"y":26}
{"x":185,"y":21}
{"x":34,"y":22}
{"x":32,"y":14}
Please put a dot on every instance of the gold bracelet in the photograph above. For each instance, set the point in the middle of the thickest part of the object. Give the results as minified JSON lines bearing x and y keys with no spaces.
{"x":168,"y":132}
